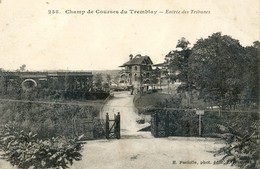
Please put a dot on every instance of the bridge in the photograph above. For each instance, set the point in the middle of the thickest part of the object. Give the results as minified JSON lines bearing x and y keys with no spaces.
{"x":71,"y":81}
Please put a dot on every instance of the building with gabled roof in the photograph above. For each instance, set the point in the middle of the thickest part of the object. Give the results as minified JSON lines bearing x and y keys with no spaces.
{"x":136,"y":72}
{"x":138,"y":60}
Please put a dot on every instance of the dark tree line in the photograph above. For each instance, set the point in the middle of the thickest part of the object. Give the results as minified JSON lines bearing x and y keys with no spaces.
{"x":219,"y":68}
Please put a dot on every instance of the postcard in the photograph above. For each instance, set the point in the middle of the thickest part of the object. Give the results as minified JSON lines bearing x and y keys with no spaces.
{"x":129,"y":84}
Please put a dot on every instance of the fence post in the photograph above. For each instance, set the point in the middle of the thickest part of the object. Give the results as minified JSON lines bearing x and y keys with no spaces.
{"x":167,"y":124}
{"x":107,"y":126}
{"x":199,"y":125}
{"x":152,"y":124}
{"x":156,"y":124}
{"x":73,"y":126}
{"x":118,"y":125}
{"x":200,"y":113}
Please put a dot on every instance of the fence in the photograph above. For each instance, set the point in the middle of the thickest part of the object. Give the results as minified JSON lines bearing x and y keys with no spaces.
{"x":89,"y":128}
{"x":50,"y":119}
{"x":186,"y":122}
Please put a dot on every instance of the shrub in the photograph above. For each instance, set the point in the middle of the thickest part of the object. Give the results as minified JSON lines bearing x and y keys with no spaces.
{"x":48,"y":120}
{"x":25,"y":150}
{"x":242,"y":146}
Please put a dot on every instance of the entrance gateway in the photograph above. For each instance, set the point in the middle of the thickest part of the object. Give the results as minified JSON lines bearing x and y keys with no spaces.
{"x":113,"y":127}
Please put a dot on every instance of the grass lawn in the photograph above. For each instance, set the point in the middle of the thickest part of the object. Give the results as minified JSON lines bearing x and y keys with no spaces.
{"x":150,"y":100}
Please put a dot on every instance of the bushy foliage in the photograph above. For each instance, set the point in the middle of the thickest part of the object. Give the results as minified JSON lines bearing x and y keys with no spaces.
{"x":242,"y":145}
{"x":170,"y":102}
{"x":220,"y":68}
{"x":98,"y":79}
{"x":47,"y":120}
{"x":25,"y":150}
{"x":178,"y":61}
{"x":217,"y":67}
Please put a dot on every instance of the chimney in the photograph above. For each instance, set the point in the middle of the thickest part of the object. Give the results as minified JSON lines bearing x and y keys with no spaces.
{"x":131,"y":56}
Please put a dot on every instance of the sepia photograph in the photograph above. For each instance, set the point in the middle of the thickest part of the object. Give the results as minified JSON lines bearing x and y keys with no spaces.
{"x":112,"y":84}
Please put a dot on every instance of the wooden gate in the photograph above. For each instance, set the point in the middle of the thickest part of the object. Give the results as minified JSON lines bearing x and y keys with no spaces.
{"x":113,"y":127}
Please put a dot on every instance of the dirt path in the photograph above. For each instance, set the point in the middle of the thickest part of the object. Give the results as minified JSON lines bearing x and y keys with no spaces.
{"x":139,"y":150}
{"x":123,"y":103}
{"x":150,"y":153}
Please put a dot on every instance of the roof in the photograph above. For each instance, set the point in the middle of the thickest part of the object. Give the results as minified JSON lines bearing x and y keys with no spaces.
{"x":162,"y":64}
{"x":37,"y":74}
{"x":138,"y":60}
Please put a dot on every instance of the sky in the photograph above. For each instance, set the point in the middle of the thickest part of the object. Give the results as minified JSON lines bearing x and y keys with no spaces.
{"x":42,"y":41}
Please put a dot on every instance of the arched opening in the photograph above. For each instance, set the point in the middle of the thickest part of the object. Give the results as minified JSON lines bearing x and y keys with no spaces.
{"x":29,"y":84}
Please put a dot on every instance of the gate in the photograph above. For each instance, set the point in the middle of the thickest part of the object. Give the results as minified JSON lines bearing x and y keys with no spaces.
{"x":175,"y":123}
{"x":160,"y":125}
{"x":113,"y":127}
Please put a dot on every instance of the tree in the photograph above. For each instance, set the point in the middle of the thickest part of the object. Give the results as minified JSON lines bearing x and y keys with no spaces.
{"x":178,"y":61}
{"x":183,"y":43}
{"x":2,"y":85}
{"x":22,"y":68}
{"x":154,"y":78}
{"x":250,"y":93}
{"x":217,"y":67}
{"x":98,"y":79}
{"x":108,"y":79}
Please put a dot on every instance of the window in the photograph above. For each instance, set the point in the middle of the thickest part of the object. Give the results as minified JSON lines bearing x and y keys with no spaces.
{"x":135,"y":67}
{"x":135,"y":77}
